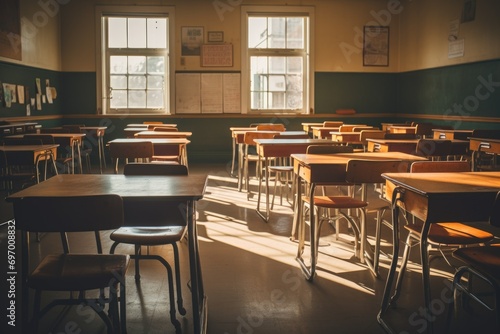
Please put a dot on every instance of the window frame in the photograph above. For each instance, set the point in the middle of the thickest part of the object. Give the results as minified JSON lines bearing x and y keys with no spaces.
{"x":308,"y":74}
{"x":102,"y":57}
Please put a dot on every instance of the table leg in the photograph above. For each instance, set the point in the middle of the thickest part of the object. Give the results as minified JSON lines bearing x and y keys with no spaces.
{"x":240,"y":166}
{"x":199,"y":300}
{"x":308,"y":271}
{"x":266,"y":176}
{"x":233,"y":157}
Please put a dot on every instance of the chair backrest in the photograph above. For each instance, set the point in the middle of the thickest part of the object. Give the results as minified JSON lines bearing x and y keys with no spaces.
{"x":73,"y":128}
{"x":425,"y":129}
{"x":433,"y":147}
{"x":152,"y":122}
{"x":155,"y":212}
{"x":370,"y":171}
{"x":69,"y":213}
{"x":360,"y":128}
{"x":328,"y":149}
{"x":165,"y":128}
{"x":440,"y":166}
{"x":332,"y":124}
{"x":254,"y":125}
{"x":21,"y":141}
{"x":136,"y":149}
{"x":249,"y":136}
{"x":45,"y":138}
{"x":349,"y":127}
{"x":373,"y":134}
{"x":271,"y":127}
{"x":283,"y":136}
{"x":486,"y":133}
{"x":55,"y":130}
{"x":400,"y":136}
{"x":152,"y":168}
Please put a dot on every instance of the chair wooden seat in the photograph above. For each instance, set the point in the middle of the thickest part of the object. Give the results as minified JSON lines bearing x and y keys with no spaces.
{"x":76,"y":272}
{"x":336,"y":202}
{"x":451,"y":233}
{"x":485,"y":258}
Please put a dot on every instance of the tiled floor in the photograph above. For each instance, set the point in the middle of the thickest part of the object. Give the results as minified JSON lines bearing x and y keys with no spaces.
{"x":253,"y":282}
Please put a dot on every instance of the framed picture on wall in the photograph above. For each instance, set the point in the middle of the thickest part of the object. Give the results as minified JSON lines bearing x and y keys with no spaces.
{"x":375,"y":46}
{"x":191,"y":41}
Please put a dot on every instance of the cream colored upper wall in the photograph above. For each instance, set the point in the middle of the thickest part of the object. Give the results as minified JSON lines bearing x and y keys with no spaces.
{"x":425,"y":26}
{"x":337,"y":26}
{"x":40,"y":35}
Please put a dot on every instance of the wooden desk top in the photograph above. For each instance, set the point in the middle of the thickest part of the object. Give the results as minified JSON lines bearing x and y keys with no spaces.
{"x":27,"y":148}
{"x":162,"y":134}
{"x":137,"y":188}
{"x":166,"y":141}
{"x":55,"y":135}
{"x":141,"y":125}
{"x":286,"y":147}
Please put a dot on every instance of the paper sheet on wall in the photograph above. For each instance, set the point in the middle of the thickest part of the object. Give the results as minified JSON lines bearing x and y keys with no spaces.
{"x":211,"y":93}
{"x":188,"y":93}
{"x":232,"y":94}
{"x":456,"y":48}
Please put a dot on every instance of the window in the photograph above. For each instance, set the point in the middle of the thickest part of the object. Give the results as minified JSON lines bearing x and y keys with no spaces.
{"x":276,"y":64}
{"x":135,"y":61}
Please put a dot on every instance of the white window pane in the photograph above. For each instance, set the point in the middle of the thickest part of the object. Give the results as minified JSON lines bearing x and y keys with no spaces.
{"x":294,"y":65}
{"x":136,"y":64}
{"x":277,"y":83}
{"x":137,"y":82}
{"x":136,"y":32}
{"x":118,"y":99}
{"x":156,"y":65}
{"x":276,"y":32}
{"x":259,"y":100}
{"x":277,"y":64}
{"x":155,"y":99}
{"x":257,"y":32}
{"x":155,"y":82}
{"x":118,"y":82}
{"x":295,"y":33}
{"x":259,"y":82}
{"x":276,"y":100}
{"x":157,"y":33}
{"x":137,"y":99}
{"x":118,"y":64}
{"x":294,"y":83}
{"x":117,"y":32}
{"x":294,"y":100}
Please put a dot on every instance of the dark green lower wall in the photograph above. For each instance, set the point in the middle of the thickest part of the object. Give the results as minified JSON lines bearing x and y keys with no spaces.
{"x":427,"y":95}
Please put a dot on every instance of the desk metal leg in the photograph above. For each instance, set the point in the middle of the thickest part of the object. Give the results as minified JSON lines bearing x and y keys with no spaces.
{"x":233,"y":162}
{"x":266,"y":176}
{"x":199,"y":300}
{"x":309,"y":271}
{"x":240,"y":166}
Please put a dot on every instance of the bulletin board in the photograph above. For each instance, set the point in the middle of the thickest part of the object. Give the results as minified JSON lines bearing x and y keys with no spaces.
{"x":220,"y":55}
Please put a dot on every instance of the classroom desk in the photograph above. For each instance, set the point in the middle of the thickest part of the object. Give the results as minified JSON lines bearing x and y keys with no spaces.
{"x":187,"y":190}
{"x":181,"y":143}
{"x":276,"y":148}
{"x":458,"y":147}
{"x":317,"y":169}
{"x":17,"y":128}
{"x":435,"y":197}
{"x":163,"y":134}
{"x":145,"y":126}
{"x":402,"y":129}
{"x":234,"y":140}
{"x":131,"y":131}
{"x":307,"y":127}
{"x":67,"y":140}
{"x":451,"y":134}
{"x":386,"y":126}
{"x":486,"y":145}
{"x":323,"y":132}
{"x":346,"y":137}
{"x":30,"y":155}
{"x":96,"y":132}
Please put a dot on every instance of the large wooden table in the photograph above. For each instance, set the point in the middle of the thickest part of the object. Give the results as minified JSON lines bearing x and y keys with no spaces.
{"x":435,"y":197}
{"x":276,"y":148}
{"x":187,"y":190}
{"x":323,"y":169}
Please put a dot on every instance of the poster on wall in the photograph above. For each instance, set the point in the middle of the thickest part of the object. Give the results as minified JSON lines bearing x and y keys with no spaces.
{"x":376,"y":46}
{"x":191,"y":41}
{"x":10,"y":29}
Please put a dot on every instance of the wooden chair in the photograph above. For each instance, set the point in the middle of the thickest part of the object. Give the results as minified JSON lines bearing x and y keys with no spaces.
{"x":154,"y":224}
{"x":67,"y":271}
{"x":363,"y":172}
{"x":482,"y":263}
{"x":130,"y":150}
{"x":332,"y":124}
{"x":248,"y":156}
{"x":349,"y":127}
{"x":271,"y":127}
{"x":434,"y":149}
{"x":283,"y":171}
{"x":441,"y":235}
{"x":85,"y":147}
{"x":485,"y":161}
{"x":370,"y":134}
